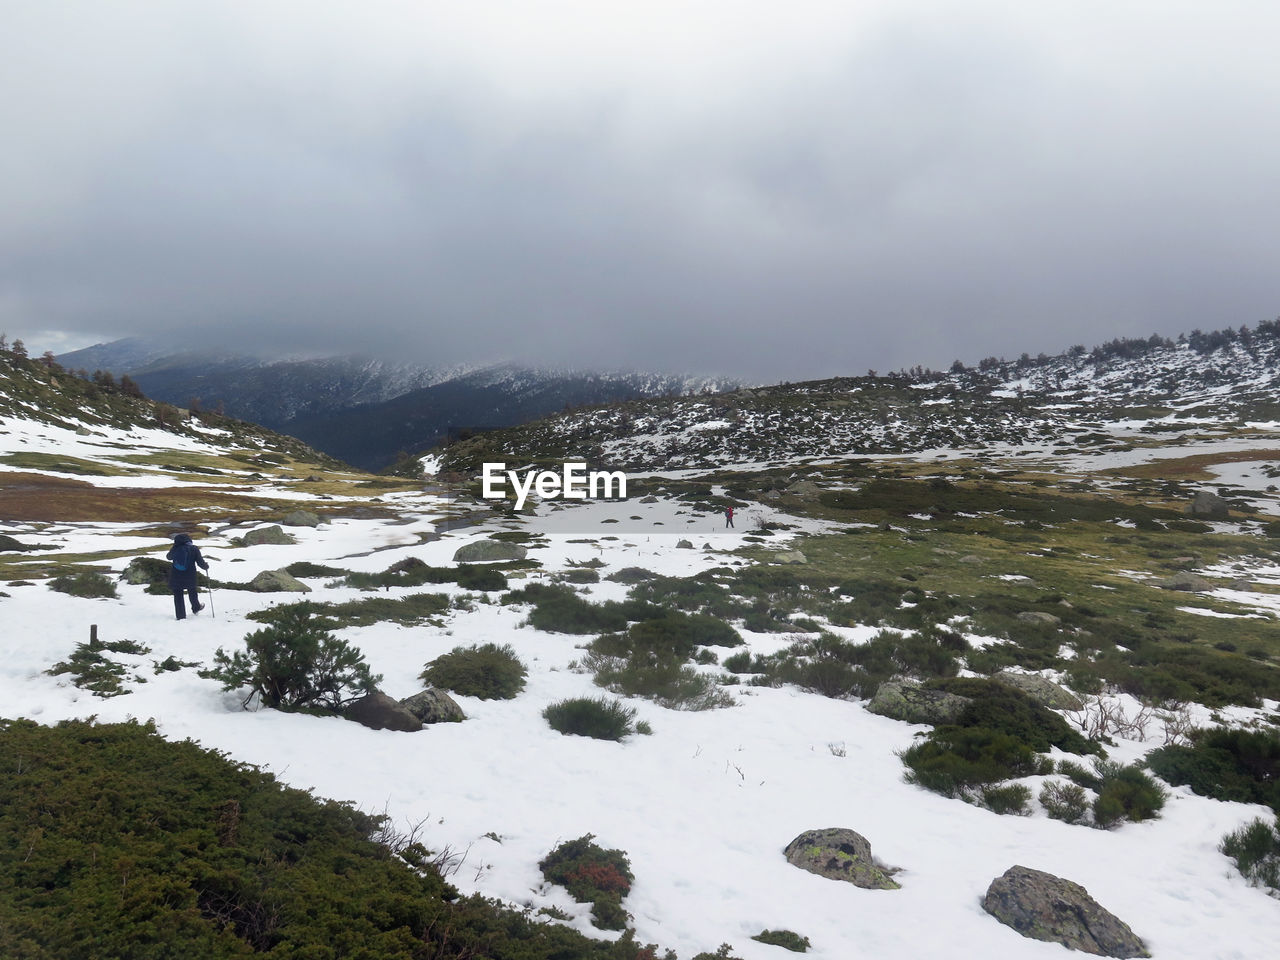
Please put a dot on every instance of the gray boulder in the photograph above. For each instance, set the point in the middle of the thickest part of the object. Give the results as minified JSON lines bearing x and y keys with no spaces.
{"x":1037,"y":616}
{"x":790,"y":556}
{"x":1040,"y":689}
{"x":301,"y":518}
{"x":271,"y":535}
{"x":277,"y":581}
{"x":434,"y":706}
{"x":1043,"y":907}
{"x":908,"y":701}
{"x":684,"y":545}
{"x":486,"y":550}
{"x":1188,"y":582}
{"x":381,"y":712}
{"x":146,"y":570}
{"x":839,"y":854}
{"x":1208,"y":506}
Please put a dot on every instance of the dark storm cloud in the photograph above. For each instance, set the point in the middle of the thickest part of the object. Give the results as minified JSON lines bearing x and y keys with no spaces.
{"x":723,"y":190}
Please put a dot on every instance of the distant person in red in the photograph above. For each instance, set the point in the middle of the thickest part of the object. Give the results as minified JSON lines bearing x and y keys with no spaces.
{"x":185,"y":557}
{"x":728,"y":517}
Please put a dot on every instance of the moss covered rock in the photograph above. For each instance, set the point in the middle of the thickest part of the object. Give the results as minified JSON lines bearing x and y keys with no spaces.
{"x":908,"y":701}
{"x":839,"y":854}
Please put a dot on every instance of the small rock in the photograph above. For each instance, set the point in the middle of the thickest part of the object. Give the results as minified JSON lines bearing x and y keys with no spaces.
{"x":1041,"y":906}
{"x":839,"y":854}
{"x":971,"y":558}
{"x":271,"y":535}
{"x":790,"y":556}
{"x":277,"y":581}
{"x":301,"y":518}
{"x":381,"y":712}
{"x":684,"y":545}
{"x":910,"y":702}
{"x":434,"y":706}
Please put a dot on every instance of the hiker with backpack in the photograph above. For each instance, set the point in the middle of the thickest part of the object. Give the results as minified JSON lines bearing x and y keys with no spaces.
{"x":185,"y":557}
{"x":728,"y":517}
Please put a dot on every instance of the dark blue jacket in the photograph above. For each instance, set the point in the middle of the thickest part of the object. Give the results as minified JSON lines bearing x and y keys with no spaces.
{"x":183,"y":579}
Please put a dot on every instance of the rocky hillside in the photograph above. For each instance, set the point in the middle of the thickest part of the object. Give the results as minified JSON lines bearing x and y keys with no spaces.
{"x":1109,"y":399}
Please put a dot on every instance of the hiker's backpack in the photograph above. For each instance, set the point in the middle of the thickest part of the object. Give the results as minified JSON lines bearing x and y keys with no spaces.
{"x":182,"y":556}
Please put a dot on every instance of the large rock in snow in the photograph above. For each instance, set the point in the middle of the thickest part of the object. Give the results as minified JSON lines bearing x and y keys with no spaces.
{"x":381,"y":712}
{"x":1040,"y":689}
{"x":486,"y":550}
{"x":434,"y":706}
{"x":277,"y":581}
{"x":1188,"y":582}
{"x":839,"y":854}
{"x":272,"y":535}
{"x":907,"y":700}
{"x":1044,"y":907}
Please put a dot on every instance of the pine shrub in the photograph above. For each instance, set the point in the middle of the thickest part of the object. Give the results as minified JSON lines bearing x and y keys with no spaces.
{"x":955,"y":761}
{"x":486,"y":671}
{"x":295,"y":662}
{"x":598,"y":717}
{"x":1226,"y":764}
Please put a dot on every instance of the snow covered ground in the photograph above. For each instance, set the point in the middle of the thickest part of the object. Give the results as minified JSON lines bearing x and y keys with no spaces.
{"x":703,"y":807}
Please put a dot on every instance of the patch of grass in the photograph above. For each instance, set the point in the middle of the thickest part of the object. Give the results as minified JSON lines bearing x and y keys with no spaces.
{"x":304,"y":569}
{"x":957,"y":761}
{"x":486,"y":671}
{"x":783,"y":938}
{"x":92,"y":670}
{"x":86,"y":583}
{"x":599,"y":718}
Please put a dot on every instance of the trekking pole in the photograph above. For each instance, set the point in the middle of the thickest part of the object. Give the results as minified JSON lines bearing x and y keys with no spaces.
{"x":208,"y":588}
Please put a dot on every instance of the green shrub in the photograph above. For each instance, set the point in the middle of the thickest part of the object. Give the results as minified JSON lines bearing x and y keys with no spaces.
{"x":1006,"y":798}
{"x":1065,"y":801}
{"x":295,"y":662}
{"x":661,"y":677}
{"x":1226,"y":764}
{"x":631,"y":575}
{"x":783,"y":938}
{"x":599,"y":717}
{"x":478,"y":577}
{"x":86,"y":583}
{"x":723,"y":952}
{"x":682,"y":632}
{"x":160,"y":848}
{"x":592,"y":875}
{"x":1126,"y":793}
{"x":1255,"y":848}
{"x":739,"y":662}
{"x":997,"y":706}
{"x":1079,"y":775}
{"x":487,"y":671}
{"x":955,"y":761}
{"x":580,"y":575}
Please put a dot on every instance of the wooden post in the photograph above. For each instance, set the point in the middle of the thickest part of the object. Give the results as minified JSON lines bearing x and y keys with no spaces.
{"x":93,"y":633}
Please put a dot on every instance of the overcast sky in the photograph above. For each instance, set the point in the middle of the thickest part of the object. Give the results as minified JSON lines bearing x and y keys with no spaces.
{"x":767,"y":190}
